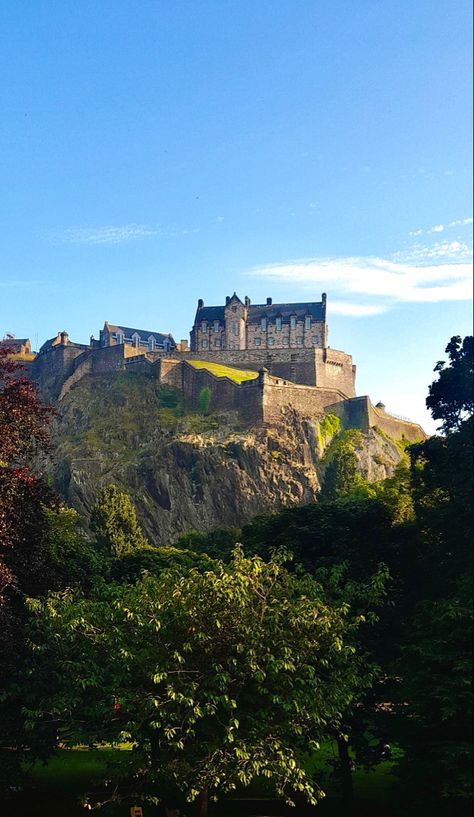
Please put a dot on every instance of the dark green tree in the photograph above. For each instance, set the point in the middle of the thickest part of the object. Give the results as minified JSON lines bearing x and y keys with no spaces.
{"x":435,"y":666}
{"x":450,"y":397}
{"x":218,"y":677}
{"x":114,"y":522}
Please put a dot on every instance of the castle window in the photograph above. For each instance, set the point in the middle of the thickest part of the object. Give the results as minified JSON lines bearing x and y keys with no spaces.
{"x":315,"y":340}
{"x":286,"y":341}
{"x":271,"y":342}
{"x":299,"y":341}
{"x":216,"y":326}
{"x":136,"y":339}
{"x":151,"y":344}
{"x":307,"y":322}
{"x":293,"y":322}
{"x":203,"y":326}
{"x":217,"y":343}
{"x":120,"y":337}
{"x":263,"y":325}
{"x":278,"y":324}
{"x":258,"y":342}
{"x":235,"y":330}
{"x":204,"y":344}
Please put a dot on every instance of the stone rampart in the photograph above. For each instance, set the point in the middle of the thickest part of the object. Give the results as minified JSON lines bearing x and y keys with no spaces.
{"x":359,"y":412}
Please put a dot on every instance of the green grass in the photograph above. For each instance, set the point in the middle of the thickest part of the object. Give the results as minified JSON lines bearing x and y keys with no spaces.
{"x":237,"y":375}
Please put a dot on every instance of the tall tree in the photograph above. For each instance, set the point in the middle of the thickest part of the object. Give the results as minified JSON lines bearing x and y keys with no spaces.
{"x":218,"y":677}
{"x":436,"y":663}
{"x":114,"y":522}
{"x":24,"y":565}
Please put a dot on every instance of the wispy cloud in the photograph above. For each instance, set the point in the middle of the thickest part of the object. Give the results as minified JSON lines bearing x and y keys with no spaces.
{"x":103,"y":235}
{"x":365,"y":286}
{"x":440,"y":228}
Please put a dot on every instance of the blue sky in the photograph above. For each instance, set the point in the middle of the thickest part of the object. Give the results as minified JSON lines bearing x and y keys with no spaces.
{"x":155,"y":152}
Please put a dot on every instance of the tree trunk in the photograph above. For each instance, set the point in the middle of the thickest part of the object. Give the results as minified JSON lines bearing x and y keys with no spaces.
{"x":346,"y":771}
{"x":202,"y":803}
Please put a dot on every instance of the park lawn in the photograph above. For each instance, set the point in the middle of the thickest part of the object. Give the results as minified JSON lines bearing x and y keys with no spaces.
{"x":70,"y":772}
{"x":237,"y":375}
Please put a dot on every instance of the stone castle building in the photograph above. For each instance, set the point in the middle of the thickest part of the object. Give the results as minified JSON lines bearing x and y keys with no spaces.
{"x":142,"y":339}
{"x":240,"y":325}
{"x":284,"y":344}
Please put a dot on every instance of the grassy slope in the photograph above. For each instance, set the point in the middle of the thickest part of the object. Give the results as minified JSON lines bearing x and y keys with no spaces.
{"x":237,"y":375}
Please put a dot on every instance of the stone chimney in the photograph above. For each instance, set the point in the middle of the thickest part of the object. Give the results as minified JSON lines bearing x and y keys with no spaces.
{"x":227,"y":300}
{"x":269,"y":301}
{"x":247,"y":301}
{"x":64,"y":338}
{"x":200,"y":303}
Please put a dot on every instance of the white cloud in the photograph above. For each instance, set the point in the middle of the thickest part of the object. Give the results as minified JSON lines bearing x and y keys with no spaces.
{"x":462,"y":222}
{"x":104,"y":235}
{"x":356,"y":310}
{"x":429,"y":275}
{"x":439,"y":228}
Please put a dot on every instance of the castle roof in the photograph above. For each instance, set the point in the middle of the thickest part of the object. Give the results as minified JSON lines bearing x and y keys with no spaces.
{"x":143,"y":334}
{"x":255,"y":312}
{"x":7,"y":342}
{"x":314,"y":309}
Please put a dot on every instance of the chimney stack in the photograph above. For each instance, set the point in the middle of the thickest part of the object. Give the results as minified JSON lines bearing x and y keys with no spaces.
{"x":269,"y":301}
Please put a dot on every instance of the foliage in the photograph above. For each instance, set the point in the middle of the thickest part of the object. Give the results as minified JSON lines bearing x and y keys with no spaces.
{"x":218,"y":543}
{"x":130,"y":567}
{"x":219,"y":676}
{"x":341,"y":473}
{"x":24,"y":566}
{"x":73,"y":558}
{"x":204,"y":400}
{"x":435,"y":703}
{"x":114,"y":522}
{"x":450,"y":397}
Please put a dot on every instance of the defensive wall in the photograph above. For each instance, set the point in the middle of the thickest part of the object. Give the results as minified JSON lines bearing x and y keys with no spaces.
{"x":261,"y":400}
{"x":359,"y":412}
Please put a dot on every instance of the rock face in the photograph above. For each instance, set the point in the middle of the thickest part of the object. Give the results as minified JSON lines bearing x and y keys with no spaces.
{"x":185,"y":471}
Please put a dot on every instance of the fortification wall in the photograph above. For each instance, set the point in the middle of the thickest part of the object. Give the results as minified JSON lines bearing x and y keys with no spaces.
{"x":334,"y":370}
{"x":226,"y":395}
{"x":359,"y":412}
{"x":100,"y":361}
{"x":293,"y":364}
{"x":279,"y":395}
{"x":51,"y":369}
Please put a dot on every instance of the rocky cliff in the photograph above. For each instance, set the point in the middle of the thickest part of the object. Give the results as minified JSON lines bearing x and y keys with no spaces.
{"x":186,"y":471}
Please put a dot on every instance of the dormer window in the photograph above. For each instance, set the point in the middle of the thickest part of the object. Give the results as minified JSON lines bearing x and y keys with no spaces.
{"x":216,"y":326}
{"x":203,"y":326}
{"x":263,"y":324}
{"x":136,"y":339}
{"x":307,"y":322}
{"x":120,"y":337}
{"x":151,"y":344}
{"x":278,"y":324}
{"x":293,"y":322}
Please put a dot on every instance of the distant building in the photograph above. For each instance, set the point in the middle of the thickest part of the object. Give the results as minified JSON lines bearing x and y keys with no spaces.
{"x":241,"y":325}
{"x":61,"y":340}
{"x":17,"y":346}
{"x":141,"y":339}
